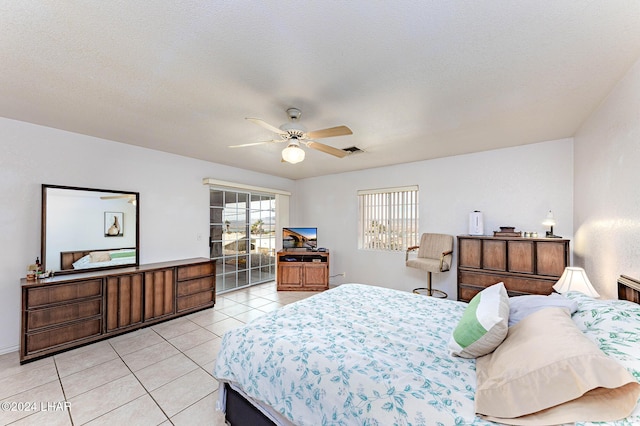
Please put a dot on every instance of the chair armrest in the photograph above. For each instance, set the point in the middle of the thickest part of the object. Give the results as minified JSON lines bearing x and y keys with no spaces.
{"x":410,"y":249}
{"x":445,"y":254}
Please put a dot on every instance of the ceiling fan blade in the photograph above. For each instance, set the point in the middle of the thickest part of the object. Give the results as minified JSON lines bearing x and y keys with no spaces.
{"x":249,"y":144}
{"x":327,"y":149}
{"x":330,"y":132}
{"x":256,"y":143}
{"x":113,"y":197}
{"x":266,"y":125}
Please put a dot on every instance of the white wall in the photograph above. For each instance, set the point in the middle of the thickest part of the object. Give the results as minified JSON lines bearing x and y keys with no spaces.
{"x":512,"y":187}
{"x":607,"y":188}
{"x":174,"y":205}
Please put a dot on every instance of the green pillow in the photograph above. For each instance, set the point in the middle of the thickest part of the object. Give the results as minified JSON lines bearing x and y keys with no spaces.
{"x":127,"y":253}
{"x":484,"y":324}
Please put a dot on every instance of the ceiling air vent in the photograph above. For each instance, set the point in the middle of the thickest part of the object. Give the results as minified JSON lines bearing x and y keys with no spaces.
{"x":352,"y":150}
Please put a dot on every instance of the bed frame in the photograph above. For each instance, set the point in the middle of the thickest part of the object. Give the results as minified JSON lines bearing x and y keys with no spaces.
{"x":68,"y":257}
{"x":240,"y":411}
{"x":629,"y":289}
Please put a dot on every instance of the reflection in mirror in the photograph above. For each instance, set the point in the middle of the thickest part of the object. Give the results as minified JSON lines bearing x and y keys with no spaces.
{"x":87,"y":229}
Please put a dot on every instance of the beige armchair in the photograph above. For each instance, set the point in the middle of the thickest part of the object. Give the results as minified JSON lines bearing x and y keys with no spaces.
{"x":435,"y":254}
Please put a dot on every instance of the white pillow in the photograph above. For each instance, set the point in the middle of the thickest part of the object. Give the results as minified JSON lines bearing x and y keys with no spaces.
{"x":83,"y":261}
{"x":523,"y":306}
{"x":484,"y":324}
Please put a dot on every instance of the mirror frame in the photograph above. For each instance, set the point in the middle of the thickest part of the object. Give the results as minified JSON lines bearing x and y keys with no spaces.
{"x":43,"y":228}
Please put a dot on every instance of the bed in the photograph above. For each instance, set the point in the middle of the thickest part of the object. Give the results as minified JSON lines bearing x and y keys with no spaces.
{"x":359,"y":354}
{"x":85,"y":259}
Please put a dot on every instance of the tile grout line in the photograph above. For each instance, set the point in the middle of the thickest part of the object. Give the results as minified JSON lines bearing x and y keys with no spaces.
{"x":64,"y":394}
{"x":141,"y":384}
{"x":199,"y":327}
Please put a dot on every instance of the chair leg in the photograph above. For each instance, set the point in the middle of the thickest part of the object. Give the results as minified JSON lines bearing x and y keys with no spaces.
{"x":434,"y":292}
{"x":430,"y":291}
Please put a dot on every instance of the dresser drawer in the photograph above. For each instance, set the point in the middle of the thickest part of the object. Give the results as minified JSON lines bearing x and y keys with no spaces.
{"x":186,"y":288}
{"x":60,"y":335}
{"x":467,"y":292}
{"x":52,"y":294}
{"x":198,"y":300}
{"x":195,"y":271}
{"x":40,"y":318}
{"x":515,"y":285}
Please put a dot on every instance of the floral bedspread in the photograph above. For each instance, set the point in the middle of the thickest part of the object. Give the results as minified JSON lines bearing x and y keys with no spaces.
{"x":365,"y":355}
{"x":614,"y":325}
{"x":355,"y":354}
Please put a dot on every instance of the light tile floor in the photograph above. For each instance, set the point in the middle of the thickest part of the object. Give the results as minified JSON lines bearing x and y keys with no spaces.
{"x":160,"y":375}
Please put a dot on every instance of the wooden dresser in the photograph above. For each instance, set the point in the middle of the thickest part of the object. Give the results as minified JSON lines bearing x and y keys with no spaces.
{"x":67,"y":311}
{"x":525,"y":265}
{"x":303,"y":270}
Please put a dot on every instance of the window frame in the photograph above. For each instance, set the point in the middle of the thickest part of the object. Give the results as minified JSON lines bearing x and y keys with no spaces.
{"x":378,"y":209}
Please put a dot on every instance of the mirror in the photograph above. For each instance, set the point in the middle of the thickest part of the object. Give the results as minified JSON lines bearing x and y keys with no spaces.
{"x":87,"y":229}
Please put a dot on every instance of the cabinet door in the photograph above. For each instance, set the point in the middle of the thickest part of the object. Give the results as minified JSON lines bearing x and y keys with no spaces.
{"x":494,"y":255}
{"x":315,"y":275}
{"x":551,"y":258}
{"x":290,"y":274}
{"x":124,"y":301}
{"x":520,"y":254}
{"x":470,"y":253}
{"x":159,"y":294}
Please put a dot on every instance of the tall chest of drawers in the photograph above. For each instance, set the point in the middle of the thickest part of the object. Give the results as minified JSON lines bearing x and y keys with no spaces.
{"x":525,"y":265}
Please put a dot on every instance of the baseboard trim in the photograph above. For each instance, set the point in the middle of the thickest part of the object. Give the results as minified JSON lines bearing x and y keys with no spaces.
{"x":8,"y":349}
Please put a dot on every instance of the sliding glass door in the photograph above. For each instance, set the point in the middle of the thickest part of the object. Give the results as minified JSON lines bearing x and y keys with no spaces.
{"x":242,"y":237}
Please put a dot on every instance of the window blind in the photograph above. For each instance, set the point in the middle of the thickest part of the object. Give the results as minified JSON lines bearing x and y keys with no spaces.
{"x":388,"y":218}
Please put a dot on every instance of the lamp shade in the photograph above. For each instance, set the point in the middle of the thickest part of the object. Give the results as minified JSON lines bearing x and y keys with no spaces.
{"x":550,"y":220}
{"x":575,"y":279}
{"x":293,"y":153}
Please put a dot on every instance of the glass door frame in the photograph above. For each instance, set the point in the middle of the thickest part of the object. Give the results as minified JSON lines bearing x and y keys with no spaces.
{"x":242,"y":237}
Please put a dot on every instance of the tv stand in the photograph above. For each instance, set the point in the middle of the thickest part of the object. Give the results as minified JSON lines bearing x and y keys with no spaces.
{"x":302,"y":270}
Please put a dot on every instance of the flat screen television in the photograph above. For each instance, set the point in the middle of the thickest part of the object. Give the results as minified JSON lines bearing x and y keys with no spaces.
{"x":302,"y":238}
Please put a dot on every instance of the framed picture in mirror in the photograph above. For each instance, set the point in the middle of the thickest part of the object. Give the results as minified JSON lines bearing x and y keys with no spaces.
{"x":113,"y":224}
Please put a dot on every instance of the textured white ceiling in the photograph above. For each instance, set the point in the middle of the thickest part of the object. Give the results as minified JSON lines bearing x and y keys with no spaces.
{"x":413,"y":79}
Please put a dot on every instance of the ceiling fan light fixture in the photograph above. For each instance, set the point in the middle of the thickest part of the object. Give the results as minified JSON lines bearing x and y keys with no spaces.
{"x":293,"y":153}
{"x":293,"y":133}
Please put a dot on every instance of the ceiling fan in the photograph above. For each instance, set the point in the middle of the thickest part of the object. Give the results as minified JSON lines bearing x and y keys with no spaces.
{"x":131,"y":198}
{"x":294,"y":134}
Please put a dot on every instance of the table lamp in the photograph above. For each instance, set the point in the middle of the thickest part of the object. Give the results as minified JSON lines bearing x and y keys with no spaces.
{"x":550,"y":221}
{"x":575,"y":279}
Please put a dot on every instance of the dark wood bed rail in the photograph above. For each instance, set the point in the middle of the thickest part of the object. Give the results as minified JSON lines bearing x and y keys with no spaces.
{"x":67,"y":258}
{"x":628,"y":289}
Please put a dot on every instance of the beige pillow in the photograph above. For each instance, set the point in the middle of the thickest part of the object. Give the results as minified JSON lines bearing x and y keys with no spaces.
{"x":547,"y":366}
{"x":99,"y":256}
